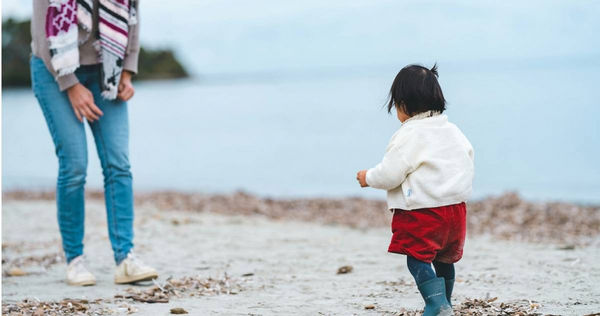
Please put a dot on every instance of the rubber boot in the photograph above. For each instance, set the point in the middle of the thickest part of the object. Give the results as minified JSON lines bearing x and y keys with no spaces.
{"x":434,"y":294}
{"x":449,"y":287}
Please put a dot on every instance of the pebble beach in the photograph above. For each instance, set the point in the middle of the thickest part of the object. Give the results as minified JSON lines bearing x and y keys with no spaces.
{"x":241,"y":254}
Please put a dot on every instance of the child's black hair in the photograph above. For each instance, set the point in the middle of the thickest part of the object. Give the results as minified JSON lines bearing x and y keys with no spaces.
{"x":416,"y":90}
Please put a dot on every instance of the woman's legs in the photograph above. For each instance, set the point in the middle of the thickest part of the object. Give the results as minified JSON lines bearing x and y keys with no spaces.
{"x":111,"y":134}
{"x":68,"y":135}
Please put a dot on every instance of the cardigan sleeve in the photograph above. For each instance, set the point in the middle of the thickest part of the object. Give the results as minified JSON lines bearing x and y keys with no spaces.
{"x":39,"y":44}
{"x":130,"y":62}
{"x":395,"y":166}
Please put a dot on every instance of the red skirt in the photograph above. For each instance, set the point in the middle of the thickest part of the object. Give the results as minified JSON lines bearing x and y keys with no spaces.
{"x":430,"y":234}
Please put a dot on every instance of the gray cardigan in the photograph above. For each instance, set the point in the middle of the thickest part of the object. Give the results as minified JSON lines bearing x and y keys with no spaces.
{"x":87,"y":53}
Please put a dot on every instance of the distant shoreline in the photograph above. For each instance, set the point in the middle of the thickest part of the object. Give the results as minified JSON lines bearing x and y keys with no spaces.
{"x":145,"y":80}
{"x":507,"y":217}
{"x":153,"y":64}
{"x":42,"y":193}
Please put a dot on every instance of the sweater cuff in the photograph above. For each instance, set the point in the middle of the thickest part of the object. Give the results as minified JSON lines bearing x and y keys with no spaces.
{"x":369,"y":183}
{"x":66,"y":81}
{"x":131,"y":62}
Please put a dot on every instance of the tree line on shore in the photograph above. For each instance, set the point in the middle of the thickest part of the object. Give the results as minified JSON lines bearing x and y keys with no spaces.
{"x":16,"y":51}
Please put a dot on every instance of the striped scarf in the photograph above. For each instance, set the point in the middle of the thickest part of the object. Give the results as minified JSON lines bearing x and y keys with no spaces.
{"x":62,"y":20}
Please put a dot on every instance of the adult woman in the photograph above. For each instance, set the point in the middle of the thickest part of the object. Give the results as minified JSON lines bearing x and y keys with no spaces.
{"x":84,"y":53}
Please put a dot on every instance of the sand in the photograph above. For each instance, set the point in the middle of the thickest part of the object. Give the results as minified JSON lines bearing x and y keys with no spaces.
{"x":284,"y":266}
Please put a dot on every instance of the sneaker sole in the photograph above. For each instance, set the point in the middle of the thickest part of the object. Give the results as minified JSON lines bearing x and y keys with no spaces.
{"x":82,"y":283}
{"x":137,"y":278}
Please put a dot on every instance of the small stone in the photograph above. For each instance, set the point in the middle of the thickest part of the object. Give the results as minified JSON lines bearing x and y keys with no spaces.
{"x":39,"y":312}
{"x":567,"y":247}
{"x":16,"y":272}
{"x":370,"y":306}
{"x":178,"y":310}
{"x":344,"y":269}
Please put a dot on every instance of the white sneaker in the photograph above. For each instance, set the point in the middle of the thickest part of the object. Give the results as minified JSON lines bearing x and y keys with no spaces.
{"x":78,"y":274}
{"x":133,"y":270}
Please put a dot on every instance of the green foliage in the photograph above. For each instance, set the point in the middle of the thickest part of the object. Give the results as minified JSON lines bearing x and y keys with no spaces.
{"x":16,"y":50}
{"x":159,"y":64}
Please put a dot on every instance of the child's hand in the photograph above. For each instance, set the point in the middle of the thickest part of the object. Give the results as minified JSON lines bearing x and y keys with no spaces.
{"x":361,"y":176}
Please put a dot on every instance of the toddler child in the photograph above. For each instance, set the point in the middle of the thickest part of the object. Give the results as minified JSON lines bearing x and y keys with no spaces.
{"x":427,"y":171}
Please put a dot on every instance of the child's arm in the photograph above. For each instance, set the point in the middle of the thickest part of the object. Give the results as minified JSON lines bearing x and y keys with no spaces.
{"x":390,"y":172}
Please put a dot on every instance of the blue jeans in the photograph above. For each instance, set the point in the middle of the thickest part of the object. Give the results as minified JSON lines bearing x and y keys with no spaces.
{"x":111,"y":135}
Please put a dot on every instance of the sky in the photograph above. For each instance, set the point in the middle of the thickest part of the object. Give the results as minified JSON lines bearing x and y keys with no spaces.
{"x":228,"y":36}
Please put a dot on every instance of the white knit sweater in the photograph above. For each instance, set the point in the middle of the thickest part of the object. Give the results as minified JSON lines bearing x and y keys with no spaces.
{"x":428,"y":163}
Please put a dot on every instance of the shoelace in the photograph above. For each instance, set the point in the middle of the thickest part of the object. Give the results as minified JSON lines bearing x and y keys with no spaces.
{"x":79,"y":266}
{"x":135,"y":260}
